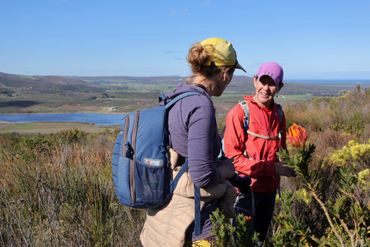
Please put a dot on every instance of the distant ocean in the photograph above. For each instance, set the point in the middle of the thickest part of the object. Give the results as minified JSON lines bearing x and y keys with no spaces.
{"x":330,"y":81}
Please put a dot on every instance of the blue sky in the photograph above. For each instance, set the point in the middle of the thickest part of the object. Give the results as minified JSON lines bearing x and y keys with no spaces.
{"x":311,"y":39}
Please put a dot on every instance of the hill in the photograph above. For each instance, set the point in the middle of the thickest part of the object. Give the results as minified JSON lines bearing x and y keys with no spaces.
{"x":42,"y":84}
{"x":34,"y":93}
{"x":56,"y":84}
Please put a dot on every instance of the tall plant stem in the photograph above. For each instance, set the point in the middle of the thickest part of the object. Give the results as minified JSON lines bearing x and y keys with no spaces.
{"x":322,"y":205}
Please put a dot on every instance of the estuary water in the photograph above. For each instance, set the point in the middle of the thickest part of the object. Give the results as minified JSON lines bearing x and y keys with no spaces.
{"x":100,"y":119}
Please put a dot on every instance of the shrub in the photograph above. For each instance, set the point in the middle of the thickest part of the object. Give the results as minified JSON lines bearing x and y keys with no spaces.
{"x":235,"y":234}
{"x":334,"y":195}
{"x":56,"y":190}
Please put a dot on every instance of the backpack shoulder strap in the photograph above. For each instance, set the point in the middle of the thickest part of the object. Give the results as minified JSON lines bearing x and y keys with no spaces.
{"x":183,"y":169}
{"x":171,"y":102}
{"x":244,"y":104}
{"x":281,"y":116}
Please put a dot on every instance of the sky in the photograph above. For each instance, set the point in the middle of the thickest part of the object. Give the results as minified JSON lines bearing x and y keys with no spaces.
{"x":311,"y":39}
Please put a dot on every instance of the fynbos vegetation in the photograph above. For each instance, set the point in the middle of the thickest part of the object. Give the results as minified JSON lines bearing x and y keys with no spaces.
{"x":56,"y":189}
{"x":328,"y":204}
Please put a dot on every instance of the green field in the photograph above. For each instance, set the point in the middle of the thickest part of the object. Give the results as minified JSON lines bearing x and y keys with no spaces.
{"x":46,"y":128}
{"x":51,"y":94}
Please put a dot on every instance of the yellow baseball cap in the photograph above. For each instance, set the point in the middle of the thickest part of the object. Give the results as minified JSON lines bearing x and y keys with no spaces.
{"x":222,"y":52}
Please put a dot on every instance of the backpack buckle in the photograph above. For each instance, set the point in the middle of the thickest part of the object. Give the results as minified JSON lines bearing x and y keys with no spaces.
{"x":129,"y":151}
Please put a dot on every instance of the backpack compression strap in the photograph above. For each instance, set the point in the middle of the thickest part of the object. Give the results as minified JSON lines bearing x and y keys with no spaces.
{"x":245,"y":108}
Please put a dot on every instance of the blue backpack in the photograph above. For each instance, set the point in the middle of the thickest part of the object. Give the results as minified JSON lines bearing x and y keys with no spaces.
{"x":141,"y":171}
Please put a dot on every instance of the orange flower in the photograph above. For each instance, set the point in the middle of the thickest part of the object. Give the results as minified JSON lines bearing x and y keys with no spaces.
{"x":297,"y":135}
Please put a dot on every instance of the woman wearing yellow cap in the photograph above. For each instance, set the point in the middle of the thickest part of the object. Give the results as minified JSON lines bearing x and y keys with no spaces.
{"x":194,"y":136}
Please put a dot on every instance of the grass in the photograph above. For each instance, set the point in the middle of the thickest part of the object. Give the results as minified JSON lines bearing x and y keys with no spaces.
{"x":56,"y":190}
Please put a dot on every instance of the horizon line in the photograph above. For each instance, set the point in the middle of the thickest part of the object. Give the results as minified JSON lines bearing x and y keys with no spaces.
{"x":287,"y":79}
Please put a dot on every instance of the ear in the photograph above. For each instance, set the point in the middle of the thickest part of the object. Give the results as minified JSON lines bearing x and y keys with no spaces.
{"x":255,"y":78}
{"x":224,"y":74}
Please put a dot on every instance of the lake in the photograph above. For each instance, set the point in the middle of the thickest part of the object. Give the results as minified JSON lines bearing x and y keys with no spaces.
{"x":100,"y":119}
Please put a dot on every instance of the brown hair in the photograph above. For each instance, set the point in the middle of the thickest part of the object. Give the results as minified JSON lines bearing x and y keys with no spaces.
{"x":199,"y":58}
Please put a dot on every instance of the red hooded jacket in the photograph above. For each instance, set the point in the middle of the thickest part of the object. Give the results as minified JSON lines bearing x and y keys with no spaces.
{"x":254,"y":156}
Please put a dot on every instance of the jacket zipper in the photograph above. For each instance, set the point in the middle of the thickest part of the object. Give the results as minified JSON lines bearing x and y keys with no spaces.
{"x":132,"y":162}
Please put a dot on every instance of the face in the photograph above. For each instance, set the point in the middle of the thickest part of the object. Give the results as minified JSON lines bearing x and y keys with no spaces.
{"x":219,"y":81}
{"x":223,"y":80}
{"x":265,"y":90}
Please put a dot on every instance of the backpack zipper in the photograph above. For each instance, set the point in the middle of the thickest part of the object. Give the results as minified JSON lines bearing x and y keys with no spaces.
{"x":125,"y":131}
{"x":132,"y":161}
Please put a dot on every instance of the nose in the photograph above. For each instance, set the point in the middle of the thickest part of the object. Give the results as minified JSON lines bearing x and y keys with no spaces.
{"x":265,"y":86}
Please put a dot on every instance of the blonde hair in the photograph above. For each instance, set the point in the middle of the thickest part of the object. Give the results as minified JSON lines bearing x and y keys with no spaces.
{"x":200,"y":61}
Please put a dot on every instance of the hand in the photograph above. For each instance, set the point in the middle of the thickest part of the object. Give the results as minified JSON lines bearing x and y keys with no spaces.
{"x":226,"y":168}
{"x":242,"y":183}
{"x":284,"y":170}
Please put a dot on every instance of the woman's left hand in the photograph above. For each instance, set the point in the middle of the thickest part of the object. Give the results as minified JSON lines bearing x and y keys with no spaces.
{"x":226,"y":168}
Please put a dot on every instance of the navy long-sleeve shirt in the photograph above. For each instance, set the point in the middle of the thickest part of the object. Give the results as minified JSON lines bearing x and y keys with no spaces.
{"x":194,"y":135}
